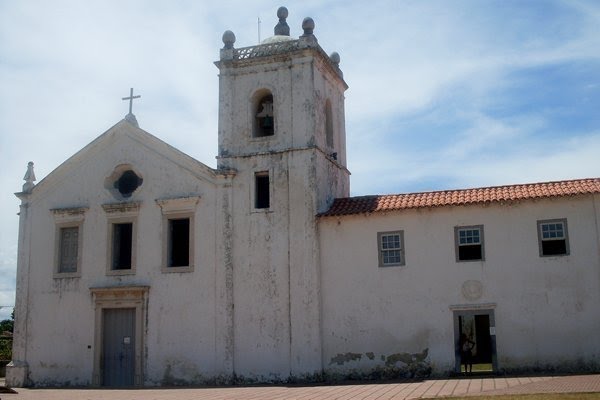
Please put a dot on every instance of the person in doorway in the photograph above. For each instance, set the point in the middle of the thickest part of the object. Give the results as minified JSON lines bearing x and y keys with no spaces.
{"x":466,"y":352}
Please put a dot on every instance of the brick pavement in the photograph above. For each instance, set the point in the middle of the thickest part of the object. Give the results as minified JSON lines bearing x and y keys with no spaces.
{"x":373,"y":391}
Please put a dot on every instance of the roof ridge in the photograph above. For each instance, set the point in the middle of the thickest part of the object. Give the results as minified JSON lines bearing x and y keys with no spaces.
{"x":480,"y":187}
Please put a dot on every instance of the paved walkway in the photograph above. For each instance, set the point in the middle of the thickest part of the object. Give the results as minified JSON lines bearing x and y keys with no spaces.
{"x":380,"y":391}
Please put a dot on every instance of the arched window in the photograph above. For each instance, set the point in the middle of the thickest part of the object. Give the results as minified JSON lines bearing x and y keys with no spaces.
{"x":328,"y":124}
{"x":264,"y":115}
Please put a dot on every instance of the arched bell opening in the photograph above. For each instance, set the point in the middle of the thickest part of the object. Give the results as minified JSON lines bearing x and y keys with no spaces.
{"x":264,"y":114}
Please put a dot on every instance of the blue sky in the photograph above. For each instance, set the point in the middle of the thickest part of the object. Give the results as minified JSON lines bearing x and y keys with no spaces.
{"x":442,"y":94}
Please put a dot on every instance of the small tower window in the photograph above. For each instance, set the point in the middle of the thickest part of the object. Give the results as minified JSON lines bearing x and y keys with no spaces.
{"x":328,"y":124}
{"x":264,"y":116}
{"x":261,"y":190}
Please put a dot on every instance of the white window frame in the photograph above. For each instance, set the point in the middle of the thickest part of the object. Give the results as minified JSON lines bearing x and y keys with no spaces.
{"x":541,"y":239}
{"x":381,"y":250}
{"x":457,"y":244}
{"x":72,"y":217}
{"x":172,"y":209}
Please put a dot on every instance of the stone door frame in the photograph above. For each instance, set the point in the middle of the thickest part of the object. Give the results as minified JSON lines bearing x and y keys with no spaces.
{"x":472,"y":310}
{"x":135,"y":297}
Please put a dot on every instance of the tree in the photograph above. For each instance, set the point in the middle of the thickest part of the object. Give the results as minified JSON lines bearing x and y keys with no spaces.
{"x":6,"y":331}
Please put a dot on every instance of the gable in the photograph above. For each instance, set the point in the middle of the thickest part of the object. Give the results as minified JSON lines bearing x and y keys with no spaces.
{"x":123,"y":144}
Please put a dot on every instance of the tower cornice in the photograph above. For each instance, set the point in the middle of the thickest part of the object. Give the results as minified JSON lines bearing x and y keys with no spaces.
{"x":277,"y":51}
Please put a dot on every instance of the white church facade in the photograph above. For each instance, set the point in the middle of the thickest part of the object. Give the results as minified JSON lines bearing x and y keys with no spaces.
{"x":140,"y":266}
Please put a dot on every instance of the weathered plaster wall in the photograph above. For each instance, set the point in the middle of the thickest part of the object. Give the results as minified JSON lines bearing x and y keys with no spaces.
{"x":546,"y":308}
{"x":181,"y":320}
{"x":276,"y":288}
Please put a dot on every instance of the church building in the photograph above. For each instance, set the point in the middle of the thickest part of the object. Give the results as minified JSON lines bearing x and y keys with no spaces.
{"x":141,"y":266}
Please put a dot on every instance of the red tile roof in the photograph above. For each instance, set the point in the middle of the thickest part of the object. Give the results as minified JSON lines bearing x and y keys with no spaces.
{"x":460,"y":197}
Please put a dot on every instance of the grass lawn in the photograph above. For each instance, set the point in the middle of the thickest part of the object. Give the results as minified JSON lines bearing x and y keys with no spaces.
{"x":545,"y":396}
{"x":479,"y":368}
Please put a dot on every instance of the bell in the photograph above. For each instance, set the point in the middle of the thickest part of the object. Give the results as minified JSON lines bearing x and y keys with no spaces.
{"x":267,"y":122}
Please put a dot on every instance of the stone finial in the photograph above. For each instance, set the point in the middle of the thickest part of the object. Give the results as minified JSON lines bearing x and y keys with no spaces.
{"x":29,"y":178}
{"x":308,"y":25}
{"x":308,"y":39}
{"x":228,"y":39}
{"x":335,"y":58}
{"x":282,"y":28}
{"x":132,"y":120}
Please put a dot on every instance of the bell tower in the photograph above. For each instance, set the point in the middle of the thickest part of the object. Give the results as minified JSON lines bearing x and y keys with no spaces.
{"x":282,"y":134}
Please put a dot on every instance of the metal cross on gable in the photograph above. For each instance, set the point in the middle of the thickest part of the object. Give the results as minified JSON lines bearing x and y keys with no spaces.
{"x":130,"y":98}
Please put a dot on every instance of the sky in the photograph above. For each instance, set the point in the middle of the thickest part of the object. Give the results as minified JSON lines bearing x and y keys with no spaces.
{"x":442,"y":94}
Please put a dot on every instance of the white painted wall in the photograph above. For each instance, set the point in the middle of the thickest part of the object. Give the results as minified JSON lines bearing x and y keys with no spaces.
{"x":546,"y":308}
{"x":180,"y":337}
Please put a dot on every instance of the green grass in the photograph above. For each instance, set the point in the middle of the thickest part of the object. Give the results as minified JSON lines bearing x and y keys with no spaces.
{"x":479,"y":368}
{"x":551,"y":396}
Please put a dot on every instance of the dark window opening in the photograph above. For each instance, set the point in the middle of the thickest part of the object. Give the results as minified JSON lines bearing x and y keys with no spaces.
{"x":264,"y":117}
{"x":179,"y":243}
{"x":262,"y":190}
{"x":467,"y":253}
{"x":122,"y":246}
{"x":127,"y":183}
{"x":554,"y":247}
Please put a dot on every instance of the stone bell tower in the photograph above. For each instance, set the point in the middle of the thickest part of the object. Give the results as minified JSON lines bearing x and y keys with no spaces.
{"x":282,"y":134}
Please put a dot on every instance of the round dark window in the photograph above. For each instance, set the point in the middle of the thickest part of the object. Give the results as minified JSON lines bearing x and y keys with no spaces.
{"x":127,"y":183}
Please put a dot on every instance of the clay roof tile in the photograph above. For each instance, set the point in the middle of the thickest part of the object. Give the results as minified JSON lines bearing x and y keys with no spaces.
{"x":495,"y":194}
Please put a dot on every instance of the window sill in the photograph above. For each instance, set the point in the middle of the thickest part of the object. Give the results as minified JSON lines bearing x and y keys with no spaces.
{"x":118,"y":272}
{"x":168,"y":270}
{"x":261,"y":138}
{"x":261,"y":210}
{"x":392,"y":266}
{"x":61,"y":275}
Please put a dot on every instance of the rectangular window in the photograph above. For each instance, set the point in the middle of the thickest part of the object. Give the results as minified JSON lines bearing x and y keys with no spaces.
{"x":553,"y":237}
{"x":68,"y":250}
{"x":122,"y":245}
{"x":261,"y":190}
{"x":469,"y":243}
{"x":121,"y":237}
{"x":68,"y":241}
{"x":178,"y":216}
{"x":179,"y":243}
{"x":391,"y":248}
